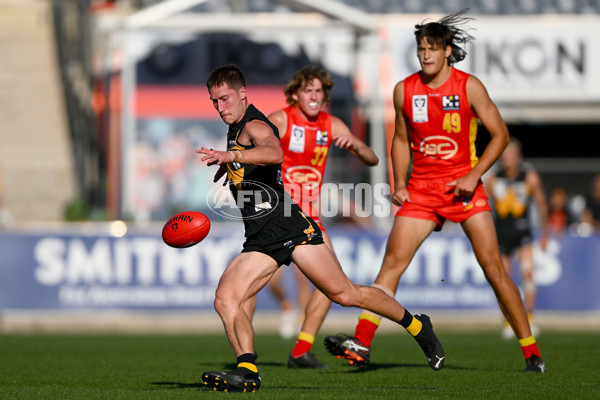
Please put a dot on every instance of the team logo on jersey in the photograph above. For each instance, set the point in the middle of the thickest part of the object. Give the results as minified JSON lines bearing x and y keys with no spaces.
{"x":441,"y":147}
{"x":321,"y":139}
{"x":297,"y":139}
{"x":450,"y":103}
{"x":307,"y":178}
{"x":419,"y":108}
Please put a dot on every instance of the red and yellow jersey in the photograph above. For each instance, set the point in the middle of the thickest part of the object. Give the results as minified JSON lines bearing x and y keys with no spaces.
{"x":305,"y":146}
{"x":442,"y":126}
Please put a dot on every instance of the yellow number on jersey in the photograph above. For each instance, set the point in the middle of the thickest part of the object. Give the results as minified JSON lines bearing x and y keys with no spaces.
{"x":320,"y":155}
{"x":451,"y":122}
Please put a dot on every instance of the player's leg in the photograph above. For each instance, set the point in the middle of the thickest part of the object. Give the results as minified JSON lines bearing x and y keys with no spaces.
{"x":315,"y":312}
{"x":321,"y":266}
{"x":507,"y":330}
{"x":289,"y":313}
{"x":305,"y":288}
{"x":406,"y":236}
{"x":526,"y":267}
{"x":241,"y":281}
{"x":481,"y":232}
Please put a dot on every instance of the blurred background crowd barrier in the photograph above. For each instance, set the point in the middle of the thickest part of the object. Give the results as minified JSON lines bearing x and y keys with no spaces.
{"x":104,"y":104}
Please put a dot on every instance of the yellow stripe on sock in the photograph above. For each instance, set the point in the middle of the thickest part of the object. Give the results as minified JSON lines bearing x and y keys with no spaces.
{"x":527,"y":341}
{"x":248,"y":365}
{"x":415,"y":327}
{"x":306,"y":337}
{"x":371,"y":318}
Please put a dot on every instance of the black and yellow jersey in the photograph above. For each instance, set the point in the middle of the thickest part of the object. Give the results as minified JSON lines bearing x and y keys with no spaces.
{"x":256,"y":189}
{"x":512,"y":199}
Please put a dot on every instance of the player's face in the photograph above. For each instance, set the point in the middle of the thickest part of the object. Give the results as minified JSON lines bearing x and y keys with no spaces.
{"x":432,"y":57}
{"x":228,"y":102}
{"x":511,"y":157}
{"x":310,"y":99}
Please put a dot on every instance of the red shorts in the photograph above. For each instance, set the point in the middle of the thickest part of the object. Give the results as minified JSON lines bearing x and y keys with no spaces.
{"x":435,"y":201}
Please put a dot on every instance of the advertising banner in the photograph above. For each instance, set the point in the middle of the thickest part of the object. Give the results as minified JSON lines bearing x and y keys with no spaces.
{"x":138,"y":271}
{"x":519,"y":59}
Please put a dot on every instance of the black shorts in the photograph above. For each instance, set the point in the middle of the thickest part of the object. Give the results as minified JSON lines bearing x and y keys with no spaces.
{"x":280,"y":236}
{"x":510,"y":240}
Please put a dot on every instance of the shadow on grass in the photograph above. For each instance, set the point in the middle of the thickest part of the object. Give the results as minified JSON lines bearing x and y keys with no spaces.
{"x":178,"y":385}
{"x":382,"y":366}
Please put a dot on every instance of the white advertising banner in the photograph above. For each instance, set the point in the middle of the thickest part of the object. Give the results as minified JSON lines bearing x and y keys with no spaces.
{"x":522,"y":59}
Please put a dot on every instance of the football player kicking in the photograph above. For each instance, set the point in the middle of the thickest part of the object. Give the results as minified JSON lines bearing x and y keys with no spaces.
{"x":277,"y":233}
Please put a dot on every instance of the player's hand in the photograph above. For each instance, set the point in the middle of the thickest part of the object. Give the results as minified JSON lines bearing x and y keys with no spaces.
{"x":215,"y":157}
{"x":464,"y":186}
{"x":345,"y":142}
{"x":400,"y":196}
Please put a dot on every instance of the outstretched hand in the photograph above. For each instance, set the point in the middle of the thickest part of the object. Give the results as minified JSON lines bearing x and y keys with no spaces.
{"x":215,"y":157}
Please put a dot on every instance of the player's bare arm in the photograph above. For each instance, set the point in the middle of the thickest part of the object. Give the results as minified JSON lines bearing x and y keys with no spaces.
{"x":267,"y":148}
{"x":279,"y":119}
{"x":400,"y":148}
{"x":344,"y":139}
{"x":535,"y":183}
{"x":491,"y":119}
{"x":488,"y":114}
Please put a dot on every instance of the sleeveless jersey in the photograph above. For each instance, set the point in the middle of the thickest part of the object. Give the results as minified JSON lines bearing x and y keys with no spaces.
{"x":257,"y":189}
{"x":442,"y":126}
{"x":305,"y":146}
{"x":512,"y":199}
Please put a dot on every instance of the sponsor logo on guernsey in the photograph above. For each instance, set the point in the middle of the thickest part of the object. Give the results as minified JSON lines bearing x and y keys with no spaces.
{"x":297,"y":139}
{"x":321,"y":139}
{"x":450,"y":103}
{"x":304,"y":175}
{"x":437,"y":146}
{"x":419,"y":108}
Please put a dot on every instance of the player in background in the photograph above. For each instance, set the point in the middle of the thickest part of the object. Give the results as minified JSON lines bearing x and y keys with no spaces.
{"x":277,"y":232}
{"x":436,"y":122}
{"x":513,"y":184}
{"x":591,"y":213}
{"x":306,"y":132}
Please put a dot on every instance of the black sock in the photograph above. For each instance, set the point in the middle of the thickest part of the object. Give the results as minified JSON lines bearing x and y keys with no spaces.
{"x":248,"y":361}
{"x":406,"y":320}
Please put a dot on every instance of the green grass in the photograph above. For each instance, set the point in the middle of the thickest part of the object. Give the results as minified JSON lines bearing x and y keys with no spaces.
{"x":478,"y":366}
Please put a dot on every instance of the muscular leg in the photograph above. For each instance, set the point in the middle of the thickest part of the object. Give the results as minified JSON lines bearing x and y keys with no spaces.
{"x":406,"y":237}
{"x":321,"y":266}
{"x":481,"y":232}
{"x":242,"y":279}
{"x":304,"y":289}
{"x":277,"y":288}
{"x":318,"y":304}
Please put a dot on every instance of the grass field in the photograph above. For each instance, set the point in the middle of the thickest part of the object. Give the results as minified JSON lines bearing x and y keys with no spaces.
{"x":478,"y":366}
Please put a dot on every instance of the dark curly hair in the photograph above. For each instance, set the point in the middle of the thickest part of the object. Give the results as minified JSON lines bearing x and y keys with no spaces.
{"x":446,"y":32}
{"x":302,"y":77}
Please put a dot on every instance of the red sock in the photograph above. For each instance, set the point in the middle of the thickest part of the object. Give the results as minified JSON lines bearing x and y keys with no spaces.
{"x":366,"y":327}
{"x":303,"y":344}
{"x":529,"y":347}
